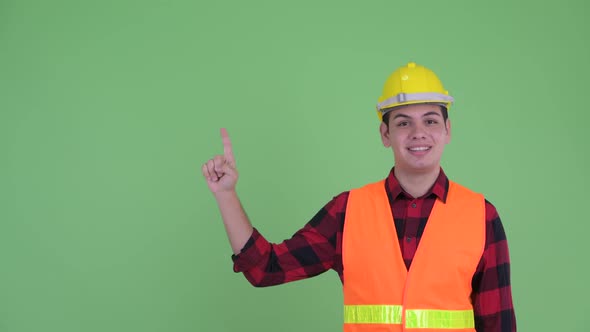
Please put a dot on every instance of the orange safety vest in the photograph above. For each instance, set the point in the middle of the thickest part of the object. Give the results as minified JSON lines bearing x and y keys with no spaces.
{"x":380,"y":294}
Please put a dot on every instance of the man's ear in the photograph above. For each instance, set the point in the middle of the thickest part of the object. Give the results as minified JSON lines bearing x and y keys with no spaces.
{"x":384,"y":131}
{"x":448,"y":126}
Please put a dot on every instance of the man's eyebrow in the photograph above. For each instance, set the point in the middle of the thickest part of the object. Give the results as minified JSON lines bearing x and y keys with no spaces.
{"x":431,"y":113}
{"x":400,"y":115}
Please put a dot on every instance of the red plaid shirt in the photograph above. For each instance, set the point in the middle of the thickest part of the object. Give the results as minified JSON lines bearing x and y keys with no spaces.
{"x":317,"y":247}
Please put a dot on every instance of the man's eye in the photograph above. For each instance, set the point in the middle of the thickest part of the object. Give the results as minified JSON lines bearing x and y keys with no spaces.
{"x":430,"y":122}
{"x":402,"y":124}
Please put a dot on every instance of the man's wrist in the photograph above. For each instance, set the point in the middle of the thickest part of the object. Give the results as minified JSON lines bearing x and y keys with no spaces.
{"x":225,"y":195}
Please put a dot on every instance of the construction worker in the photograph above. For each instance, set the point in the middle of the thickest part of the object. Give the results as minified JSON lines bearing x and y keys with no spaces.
{"x":413,"y":251}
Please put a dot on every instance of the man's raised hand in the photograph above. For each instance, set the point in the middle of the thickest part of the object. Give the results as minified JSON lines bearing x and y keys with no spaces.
{"x":220,"y":171}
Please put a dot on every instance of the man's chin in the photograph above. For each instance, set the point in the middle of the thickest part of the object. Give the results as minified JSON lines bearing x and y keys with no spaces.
{"x":419,"y":168}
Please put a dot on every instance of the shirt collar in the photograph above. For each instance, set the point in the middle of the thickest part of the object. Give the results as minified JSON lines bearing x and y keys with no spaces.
{"x":440,"y":188}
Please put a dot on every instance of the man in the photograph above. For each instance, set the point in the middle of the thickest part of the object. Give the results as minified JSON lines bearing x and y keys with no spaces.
{"x":414,"y":251}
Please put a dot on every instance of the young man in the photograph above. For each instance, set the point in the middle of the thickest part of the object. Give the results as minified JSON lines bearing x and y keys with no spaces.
{"x":413,"y":251}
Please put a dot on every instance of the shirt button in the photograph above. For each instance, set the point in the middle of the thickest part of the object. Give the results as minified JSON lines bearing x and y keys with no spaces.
{"x":413,"y":205}
{"x":408,"y":239}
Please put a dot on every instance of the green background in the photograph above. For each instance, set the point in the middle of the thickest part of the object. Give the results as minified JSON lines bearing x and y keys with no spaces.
{"x":109,"y":108}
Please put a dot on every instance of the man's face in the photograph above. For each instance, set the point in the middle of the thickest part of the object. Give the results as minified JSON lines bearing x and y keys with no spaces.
{"x":418,"y":135}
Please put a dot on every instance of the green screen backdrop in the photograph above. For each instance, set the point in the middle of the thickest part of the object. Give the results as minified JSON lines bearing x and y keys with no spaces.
{"x":109,"y":108}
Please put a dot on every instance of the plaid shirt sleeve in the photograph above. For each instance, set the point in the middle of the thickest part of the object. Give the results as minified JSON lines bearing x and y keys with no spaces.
{"x":312,"y":250}
{"x":492,"y":295}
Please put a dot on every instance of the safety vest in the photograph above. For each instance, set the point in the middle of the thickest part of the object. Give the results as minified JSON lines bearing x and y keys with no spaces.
{"x":380,"y":294}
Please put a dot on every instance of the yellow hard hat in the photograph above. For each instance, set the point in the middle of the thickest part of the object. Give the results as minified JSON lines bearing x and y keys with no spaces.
{"x":412,"y":84}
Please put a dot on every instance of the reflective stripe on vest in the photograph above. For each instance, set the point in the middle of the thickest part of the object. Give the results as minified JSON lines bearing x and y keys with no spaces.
{"x":392,"y":314}
{"x":439,"y":319}
{"x":373,"y":314}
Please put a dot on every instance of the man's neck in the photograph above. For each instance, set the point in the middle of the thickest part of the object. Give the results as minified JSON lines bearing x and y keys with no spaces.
{"x":416,"y":183}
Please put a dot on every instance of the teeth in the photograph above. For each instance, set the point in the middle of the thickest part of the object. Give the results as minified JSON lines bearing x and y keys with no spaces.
{"x":419,"y":149}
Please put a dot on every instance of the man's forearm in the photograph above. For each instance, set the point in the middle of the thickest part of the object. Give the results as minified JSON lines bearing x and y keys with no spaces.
{"x":234,"y":217}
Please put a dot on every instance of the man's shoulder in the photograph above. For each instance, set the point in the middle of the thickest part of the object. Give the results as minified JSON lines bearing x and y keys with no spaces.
{"x":371,"y":186}
{"x":463,"y":187}
{"x":490,"y":209}
{"x":338,"y":203}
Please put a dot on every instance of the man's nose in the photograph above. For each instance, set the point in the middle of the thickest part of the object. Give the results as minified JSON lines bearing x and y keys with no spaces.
{"x":418,"y":132}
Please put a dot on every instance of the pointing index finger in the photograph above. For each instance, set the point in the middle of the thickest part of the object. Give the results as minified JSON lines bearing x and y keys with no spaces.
{"x":228,"y":151}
